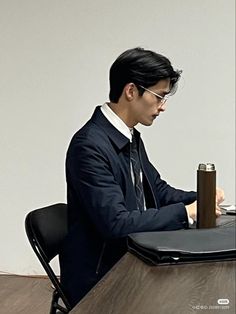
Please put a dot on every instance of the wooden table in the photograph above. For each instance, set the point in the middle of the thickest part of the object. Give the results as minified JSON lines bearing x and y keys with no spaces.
{"x":132,"y":287}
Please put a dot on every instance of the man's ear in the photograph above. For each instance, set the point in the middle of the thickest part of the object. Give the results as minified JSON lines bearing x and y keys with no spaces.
{"x":130,"y":91}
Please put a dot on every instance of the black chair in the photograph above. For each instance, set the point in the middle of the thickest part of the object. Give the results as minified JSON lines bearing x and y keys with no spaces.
{"x":46,"y":228}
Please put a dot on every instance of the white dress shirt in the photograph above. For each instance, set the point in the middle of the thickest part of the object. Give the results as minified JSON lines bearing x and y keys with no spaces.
{"x":116,"y":121}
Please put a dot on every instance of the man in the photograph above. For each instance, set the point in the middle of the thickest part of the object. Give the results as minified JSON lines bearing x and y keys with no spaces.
{"x":113,"y":189}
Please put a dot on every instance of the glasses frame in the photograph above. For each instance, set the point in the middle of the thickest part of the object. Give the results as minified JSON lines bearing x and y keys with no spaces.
{"x":160,"y":98}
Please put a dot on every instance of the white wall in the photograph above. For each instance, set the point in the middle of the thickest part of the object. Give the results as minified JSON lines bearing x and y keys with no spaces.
{"x":54,"y":62}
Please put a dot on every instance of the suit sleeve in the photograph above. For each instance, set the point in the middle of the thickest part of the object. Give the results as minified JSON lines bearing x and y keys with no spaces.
{"x":167,"y":194}
{"x":90,"y":176}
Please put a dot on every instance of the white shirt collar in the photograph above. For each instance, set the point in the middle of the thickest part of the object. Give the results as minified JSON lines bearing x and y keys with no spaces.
{"x":116,"y":121}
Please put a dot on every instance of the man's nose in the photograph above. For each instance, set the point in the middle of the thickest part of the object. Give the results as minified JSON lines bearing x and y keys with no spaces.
{"x":162,"y":107}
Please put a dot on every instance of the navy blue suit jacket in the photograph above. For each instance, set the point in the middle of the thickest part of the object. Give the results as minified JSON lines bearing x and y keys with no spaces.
{"x":102,"y":204}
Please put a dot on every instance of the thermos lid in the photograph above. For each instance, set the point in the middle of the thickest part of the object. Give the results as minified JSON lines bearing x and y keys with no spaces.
{"x":206,"y":167}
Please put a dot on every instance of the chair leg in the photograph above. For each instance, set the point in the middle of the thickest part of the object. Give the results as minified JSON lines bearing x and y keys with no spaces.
{"x":54,"y":303}
{"x":55,"y":306}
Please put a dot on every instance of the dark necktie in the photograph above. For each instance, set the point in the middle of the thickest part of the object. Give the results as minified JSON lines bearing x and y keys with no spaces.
{"x":136,"y":169}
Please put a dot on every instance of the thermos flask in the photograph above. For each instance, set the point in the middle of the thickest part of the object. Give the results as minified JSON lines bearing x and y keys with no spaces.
{"x":206,"y":196}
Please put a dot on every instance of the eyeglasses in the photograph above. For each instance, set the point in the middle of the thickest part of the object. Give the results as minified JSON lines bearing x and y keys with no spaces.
{"x":160,"y":98}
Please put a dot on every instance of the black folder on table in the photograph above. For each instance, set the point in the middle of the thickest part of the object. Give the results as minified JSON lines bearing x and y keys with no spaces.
{"x":184,"y":246}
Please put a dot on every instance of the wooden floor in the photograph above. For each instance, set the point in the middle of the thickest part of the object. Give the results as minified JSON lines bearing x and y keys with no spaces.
{"x":24,"y":295}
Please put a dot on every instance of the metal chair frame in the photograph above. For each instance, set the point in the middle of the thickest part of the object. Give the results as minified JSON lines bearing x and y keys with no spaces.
{"x":40,"y":232}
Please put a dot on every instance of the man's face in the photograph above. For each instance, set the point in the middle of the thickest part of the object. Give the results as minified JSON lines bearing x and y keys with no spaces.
{"x":147,"y":107}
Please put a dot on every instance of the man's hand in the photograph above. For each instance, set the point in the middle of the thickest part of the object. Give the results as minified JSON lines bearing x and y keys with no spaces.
{"x":220,"y":196}
{"x":192,"y":208}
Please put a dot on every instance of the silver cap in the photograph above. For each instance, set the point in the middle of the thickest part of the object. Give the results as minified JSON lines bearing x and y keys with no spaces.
{"x":206,"y":167}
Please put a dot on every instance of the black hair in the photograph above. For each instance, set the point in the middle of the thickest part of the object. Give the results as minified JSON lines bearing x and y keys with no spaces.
{"x":141,"y":67}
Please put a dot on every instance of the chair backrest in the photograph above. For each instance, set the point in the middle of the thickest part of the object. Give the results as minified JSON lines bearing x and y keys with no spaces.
{"x":46,"y":229}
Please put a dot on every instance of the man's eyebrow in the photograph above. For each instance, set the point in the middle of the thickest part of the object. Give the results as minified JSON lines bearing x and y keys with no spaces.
{"x":163,"y":91}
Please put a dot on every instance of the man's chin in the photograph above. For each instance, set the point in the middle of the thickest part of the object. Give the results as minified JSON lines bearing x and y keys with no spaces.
{"x":147,"y":123}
